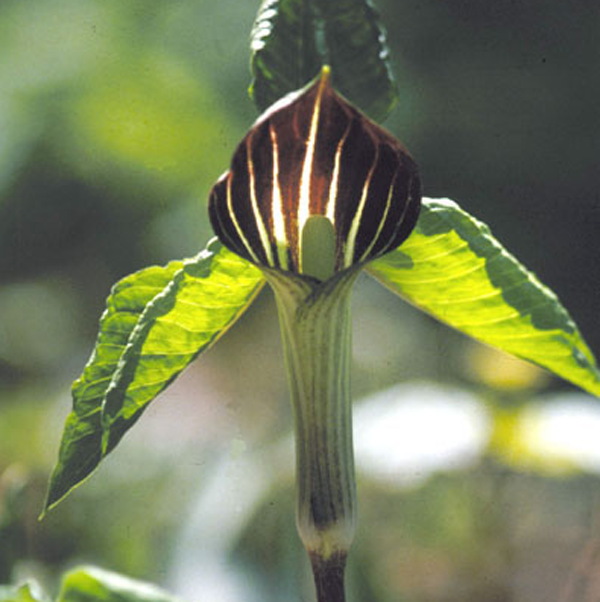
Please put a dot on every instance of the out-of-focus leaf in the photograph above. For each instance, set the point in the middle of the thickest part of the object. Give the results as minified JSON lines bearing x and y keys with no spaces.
{"x":151,"y":113}
{"x":453,"y":268}
{"x":293,"y":39}
{"x":20,"y":131}
{"x":156,"y":322}
{"x":21,"y":593}
{"x":91,"y":584}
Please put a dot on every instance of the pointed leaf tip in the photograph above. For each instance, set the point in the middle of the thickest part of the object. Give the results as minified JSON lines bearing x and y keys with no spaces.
{"x":156,"y":322}
{"x":454,"y":269}
{"x":292,"y":39}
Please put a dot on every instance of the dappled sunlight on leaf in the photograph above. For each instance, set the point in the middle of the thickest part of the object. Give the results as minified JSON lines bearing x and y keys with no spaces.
{"x":453,"y":268}
{"x":157,"y":321}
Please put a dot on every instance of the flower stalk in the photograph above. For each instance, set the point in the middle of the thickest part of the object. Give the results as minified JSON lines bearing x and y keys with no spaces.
{"x":315,"y":191}
{"x":315,"y":325}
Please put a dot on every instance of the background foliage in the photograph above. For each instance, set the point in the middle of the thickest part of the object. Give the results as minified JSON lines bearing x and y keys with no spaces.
{"x":115,"y":119}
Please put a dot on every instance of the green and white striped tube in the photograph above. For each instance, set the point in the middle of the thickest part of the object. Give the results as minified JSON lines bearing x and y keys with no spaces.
{"x":315,"y":191}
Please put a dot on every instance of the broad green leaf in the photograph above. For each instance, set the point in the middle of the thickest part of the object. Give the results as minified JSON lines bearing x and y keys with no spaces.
{"x":20,"y":593}
{"x":156,"y":322}
{"x":453,"y":268}
{"x":91,"y":584}
{"x":293,"y":39}
{"x":81,"y":445}
{"x":203,"y":300}
{"x":284,"y":49}
{"x":358,"y":55}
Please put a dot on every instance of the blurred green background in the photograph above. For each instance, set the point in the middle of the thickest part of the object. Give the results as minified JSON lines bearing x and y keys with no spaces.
{"x":478,"y":475}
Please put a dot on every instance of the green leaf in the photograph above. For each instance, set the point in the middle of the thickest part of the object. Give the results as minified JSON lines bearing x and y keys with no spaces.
{"x":453,"y":268}
{"x":21,"y":593}
{"x":81,"y":445}
{"x":293,"y":39}
{"x":91,"y":584}
{"x":358,"y":54}
{"x":284,"y":50}
{"x":156,"y":322}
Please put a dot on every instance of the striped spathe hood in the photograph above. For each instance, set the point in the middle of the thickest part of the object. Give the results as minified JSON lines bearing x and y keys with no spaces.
{"x":315,"y":154}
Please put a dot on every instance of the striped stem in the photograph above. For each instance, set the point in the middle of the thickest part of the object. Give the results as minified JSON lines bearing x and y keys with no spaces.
{"x":315,"y":324}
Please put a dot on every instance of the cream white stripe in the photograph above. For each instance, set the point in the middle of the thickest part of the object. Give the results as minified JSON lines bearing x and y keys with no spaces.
{"x":388,"y":204}
{"x":400,"y":221}
{"x":304,"y":200}
{"x":277,"y":207}
{"x":260,"y":225}
{"x":333,"y":187}
{"x":351,"y":240}
{"x":236,"y":223}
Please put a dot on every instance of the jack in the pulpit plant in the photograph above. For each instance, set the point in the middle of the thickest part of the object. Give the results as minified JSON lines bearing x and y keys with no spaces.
{"x":316,"y":194}
{"x":315,"y":191}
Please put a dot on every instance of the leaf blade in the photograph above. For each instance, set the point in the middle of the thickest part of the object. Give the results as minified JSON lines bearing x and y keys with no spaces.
{"x":18,"y":593}
{"x":92,"y":584}
{"x":353,"y":29}
{"x":81,"y":444}
{"x":134,"y":303}
{"x":284,"y":51}
{"x":292,"y":39}
{"x":454,"y":269}
{"x":156,"y":354}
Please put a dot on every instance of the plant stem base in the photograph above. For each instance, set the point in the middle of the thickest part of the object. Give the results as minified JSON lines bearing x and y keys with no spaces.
{"x":329,"y":577}
{"x":315,"y":324}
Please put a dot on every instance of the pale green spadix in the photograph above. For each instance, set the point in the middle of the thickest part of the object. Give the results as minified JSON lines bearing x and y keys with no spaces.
{"x":317,"y":248}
